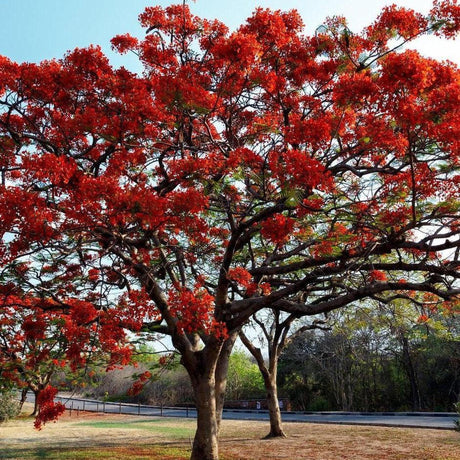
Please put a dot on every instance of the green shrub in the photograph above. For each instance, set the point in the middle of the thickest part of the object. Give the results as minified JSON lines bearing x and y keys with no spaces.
{"x":9,"y":406}
{"x":319,"y":403}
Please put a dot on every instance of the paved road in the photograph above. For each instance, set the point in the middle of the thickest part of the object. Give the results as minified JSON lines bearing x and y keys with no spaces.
{"x":422,"y":420}
{"x":440,"y":420}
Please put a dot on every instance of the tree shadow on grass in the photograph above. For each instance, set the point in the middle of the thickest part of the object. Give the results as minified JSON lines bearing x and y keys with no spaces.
{"x":163,"y":450}
{"x":36,"y":453}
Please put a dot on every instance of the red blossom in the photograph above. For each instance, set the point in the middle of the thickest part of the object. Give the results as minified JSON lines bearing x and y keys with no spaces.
{"x":377,"y":275}
{"x":240,"y":275}
{"x":447,"y":13}
{"x":139,"y":384}
{"x":124,"y":43}
{"x":48,"y":410}
{"x":277,"y":229}
{"x":423,"y":318}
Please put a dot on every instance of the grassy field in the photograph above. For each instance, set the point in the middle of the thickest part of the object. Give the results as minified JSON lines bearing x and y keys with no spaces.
{"x":123,"y":437}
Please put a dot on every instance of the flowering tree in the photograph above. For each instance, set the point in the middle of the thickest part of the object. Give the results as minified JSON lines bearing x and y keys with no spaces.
{"x":241,"y":171}
{"x":31,"y":348}
{"x":39,"y":337}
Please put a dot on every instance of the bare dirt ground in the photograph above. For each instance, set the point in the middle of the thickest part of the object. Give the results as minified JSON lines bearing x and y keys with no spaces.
{"x":241,"y":440}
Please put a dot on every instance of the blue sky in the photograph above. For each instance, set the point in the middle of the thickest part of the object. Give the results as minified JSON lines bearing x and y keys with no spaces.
{"x":33,"y":30}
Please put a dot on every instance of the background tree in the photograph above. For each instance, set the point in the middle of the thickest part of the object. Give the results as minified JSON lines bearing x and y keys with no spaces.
{"x":32,"y":343}
{"x":359,"y":364}
{"x":42,"y":333}
{"x":276,"y":331}
{"x":241,"y":171}
{"x":418,"y":332}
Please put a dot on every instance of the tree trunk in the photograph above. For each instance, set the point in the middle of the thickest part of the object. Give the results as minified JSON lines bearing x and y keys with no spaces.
{"x":35,"y":412}
{"x":205,"y":444}
{"x":221,"y":375}
{"x":208,"y":373}
{"x":23,"y":398}
{"x":269,"y":375}
{"x":276,"y":425}
{"x":410,"y":371}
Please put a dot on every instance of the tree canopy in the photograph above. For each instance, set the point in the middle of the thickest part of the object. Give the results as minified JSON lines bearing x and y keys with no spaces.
{"x":240,"y":171}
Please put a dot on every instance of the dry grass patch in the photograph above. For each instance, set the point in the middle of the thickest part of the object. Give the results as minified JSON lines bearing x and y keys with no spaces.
{"x":332,"y":442}
{"x":98,"y":436}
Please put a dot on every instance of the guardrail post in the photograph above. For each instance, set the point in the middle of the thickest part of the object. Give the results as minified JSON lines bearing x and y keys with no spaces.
{"x":186,"y":411}
{"x":119,"y":408}
{"x":161,"y":410}
{"x":83,"y":405}
{"x":103,"y":407}
{"x":139,"y":409}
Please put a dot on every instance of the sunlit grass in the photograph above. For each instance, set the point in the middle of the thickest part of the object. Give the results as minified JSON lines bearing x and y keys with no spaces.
{"x":176,"y":429}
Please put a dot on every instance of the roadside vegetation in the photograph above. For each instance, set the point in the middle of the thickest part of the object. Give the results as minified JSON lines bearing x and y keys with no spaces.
{"x":361,"y":362}
{"x":9,"y":406}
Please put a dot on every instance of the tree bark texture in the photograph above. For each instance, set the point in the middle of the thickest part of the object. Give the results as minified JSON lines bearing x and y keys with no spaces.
{"x":205,"y":444}
{"x":208,"y":374}
{"x":276,"y":425}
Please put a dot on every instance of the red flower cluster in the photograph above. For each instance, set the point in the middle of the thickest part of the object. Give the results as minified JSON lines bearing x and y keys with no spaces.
{"x":377,"y":275}
{"x":48,"y":410}
{"x":240,"y":275}
{"x":138,"y":386}
{"x":277,"y":229}
{"x":194,"y":309}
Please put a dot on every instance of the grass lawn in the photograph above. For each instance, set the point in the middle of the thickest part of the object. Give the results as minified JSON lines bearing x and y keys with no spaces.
{"x":122,"y":437}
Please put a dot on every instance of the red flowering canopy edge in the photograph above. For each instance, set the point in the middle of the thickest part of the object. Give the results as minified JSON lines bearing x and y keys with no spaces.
{"x":240,"y":171}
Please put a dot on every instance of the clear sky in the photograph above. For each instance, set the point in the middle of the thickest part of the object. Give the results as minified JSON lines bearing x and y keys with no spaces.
{"x":33,"y":30}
